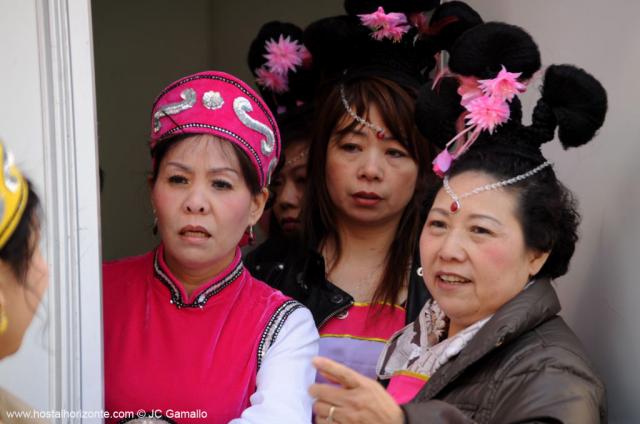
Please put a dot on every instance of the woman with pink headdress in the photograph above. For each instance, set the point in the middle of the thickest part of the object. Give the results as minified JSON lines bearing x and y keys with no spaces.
{"x":190,"y":335}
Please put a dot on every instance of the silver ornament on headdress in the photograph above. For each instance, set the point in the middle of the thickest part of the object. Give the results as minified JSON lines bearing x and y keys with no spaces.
{"x":189,"y":99}
{"x":212,"y":100}
{"x":242,"y":107}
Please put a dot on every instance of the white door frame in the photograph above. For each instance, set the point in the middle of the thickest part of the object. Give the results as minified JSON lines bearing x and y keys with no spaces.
{"x":72,"y":204}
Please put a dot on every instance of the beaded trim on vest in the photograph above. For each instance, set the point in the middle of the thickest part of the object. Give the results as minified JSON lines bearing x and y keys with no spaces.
{"x":271,"y":331}
{"x":201,"y":300}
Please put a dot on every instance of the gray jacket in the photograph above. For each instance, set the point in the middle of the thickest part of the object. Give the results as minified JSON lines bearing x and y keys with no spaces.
{"x":524,"y":366}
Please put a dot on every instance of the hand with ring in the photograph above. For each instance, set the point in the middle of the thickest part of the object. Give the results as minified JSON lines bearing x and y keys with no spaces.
{"x":355,"y":400}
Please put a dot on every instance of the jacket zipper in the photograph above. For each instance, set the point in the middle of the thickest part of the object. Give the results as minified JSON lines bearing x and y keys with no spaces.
{"x":334,"y":313}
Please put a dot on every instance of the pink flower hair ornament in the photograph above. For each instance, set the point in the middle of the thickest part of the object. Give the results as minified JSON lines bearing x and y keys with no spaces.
{"x":487,"y":107}
{"x":386,"y":25}
{"x":504,"y":86}
{"x":284,"y":55}
{"x":278,"y":83}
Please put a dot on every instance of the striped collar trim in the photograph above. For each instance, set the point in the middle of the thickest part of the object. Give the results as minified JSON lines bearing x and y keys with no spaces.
{"x":215,"y":286}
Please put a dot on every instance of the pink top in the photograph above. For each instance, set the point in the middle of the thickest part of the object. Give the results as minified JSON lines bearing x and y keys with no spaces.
{"x":357,"y":336}
{"x":405,"y":385}
{"x":165,"y":350}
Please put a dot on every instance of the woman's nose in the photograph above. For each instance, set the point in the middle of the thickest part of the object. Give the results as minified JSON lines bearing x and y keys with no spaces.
{"x":196,"y":201}
{"x":452,"y":247}
{"x":290,"y":196}
{"x":371,"y":166}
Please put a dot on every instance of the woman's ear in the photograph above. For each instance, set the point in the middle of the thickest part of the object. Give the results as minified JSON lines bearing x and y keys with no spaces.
{"x":537,"y":260}
{"x":258,"y":202}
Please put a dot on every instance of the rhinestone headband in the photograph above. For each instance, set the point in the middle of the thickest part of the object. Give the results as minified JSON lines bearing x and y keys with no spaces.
{"x":296,"y":158}
{"x":455,"y":205}
{"x":379,"y":131}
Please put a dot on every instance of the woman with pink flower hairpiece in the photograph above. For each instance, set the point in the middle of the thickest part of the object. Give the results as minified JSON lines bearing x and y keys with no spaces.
{"x":367,"y":170}
{"x":293,"y":109}
{"x":489,"y":347}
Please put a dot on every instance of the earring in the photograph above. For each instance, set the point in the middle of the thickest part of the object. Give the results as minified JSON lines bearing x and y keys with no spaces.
{"x":4,"y":320}
{"x":252,"y":237}
{"x":419,"y":272}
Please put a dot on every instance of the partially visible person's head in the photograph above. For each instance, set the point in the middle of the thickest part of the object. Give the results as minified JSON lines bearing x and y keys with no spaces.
{"x":214,"y":145}
{"x":290,"y":177}
{"x":23,"y":271}
{"x":288,"y":188}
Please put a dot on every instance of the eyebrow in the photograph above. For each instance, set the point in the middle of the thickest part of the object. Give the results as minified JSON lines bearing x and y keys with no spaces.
{"x":440,"y":211}
{"x":472,"y":216}
{"x":482,"y":216}
{"x":185,"y":168}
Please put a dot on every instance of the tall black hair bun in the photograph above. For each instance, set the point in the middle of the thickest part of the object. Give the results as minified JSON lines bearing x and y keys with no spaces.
{"x":449,"y":21}
{"x":484,"y":49}
{"x":270,"y":31}
{"x":358,"y":7}
{"x":334,"y":42}
{"x":578,"y":102}
{"x":437,"y":111}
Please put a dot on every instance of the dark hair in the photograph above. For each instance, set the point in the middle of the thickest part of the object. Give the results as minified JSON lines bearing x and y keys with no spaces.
{"x":396,"y":104}
{"x":18,"y":251}
{"x":249,"y":172}
{"x":484,"y":49}
{"x":572,"y":101}
{"x":449,"y":21}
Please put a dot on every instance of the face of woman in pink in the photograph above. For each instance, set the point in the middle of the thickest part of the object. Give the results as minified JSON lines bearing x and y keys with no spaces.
{"x":475,"y":260}
{"x":203,"y":205}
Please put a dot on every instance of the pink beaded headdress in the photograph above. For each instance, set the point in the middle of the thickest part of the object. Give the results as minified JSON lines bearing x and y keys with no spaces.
{"x":220,"y":104}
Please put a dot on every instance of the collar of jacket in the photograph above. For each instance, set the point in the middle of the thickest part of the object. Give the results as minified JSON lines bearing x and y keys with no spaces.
{"x":530,"y":308}
{"x":326,"y":300}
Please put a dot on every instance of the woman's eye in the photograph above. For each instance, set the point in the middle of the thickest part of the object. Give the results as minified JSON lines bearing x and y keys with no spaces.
{"x":481,"y":230}
{"x":177,"y":179}
{"x":301,"y":179}
{"x":395,"y":153}
{"x":222,"y":184}
{"x":349,"y":147}
{"x":436,"y":224}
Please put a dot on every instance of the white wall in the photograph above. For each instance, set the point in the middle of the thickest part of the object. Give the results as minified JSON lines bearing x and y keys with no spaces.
{"x":601,"y":294}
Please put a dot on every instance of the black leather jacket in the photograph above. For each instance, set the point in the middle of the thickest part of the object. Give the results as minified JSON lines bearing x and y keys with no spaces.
{"x":299,"y":272}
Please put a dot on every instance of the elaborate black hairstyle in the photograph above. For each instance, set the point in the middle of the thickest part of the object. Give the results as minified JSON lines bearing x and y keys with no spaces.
{"x":342,"y":43}
{"x":571,"y":100}
{"x":357,"y":7}
{"x":300,"y":82}
{"x":448,"y":22}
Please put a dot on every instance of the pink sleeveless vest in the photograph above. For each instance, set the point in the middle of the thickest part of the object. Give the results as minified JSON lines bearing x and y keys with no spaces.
{"x":191,"y":359}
